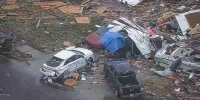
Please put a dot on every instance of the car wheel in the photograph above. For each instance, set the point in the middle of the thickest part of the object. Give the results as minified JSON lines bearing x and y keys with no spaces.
{"x":128,"y":54}
{"x":117,"y":94}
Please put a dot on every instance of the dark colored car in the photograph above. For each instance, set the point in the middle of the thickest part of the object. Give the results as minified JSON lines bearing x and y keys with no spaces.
{"x":121,"y":76}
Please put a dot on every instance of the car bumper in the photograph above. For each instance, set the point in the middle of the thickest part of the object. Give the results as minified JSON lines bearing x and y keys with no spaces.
{"x":132,"y":95}
{"x":47,"y":73}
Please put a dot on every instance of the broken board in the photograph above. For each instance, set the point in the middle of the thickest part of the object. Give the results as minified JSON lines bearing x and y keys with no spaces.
{"x":82,"y":20}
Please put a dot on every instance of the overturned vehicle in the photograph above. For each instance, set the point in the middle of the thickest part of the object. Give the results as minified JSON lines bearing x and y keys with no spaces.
{"x":121,"y":76}
{"x":179,"y":57}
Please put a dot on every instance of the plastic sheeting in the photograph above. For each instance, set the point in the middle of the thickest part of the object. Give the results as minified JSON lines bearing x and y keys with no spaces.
{"x":112,"y":41}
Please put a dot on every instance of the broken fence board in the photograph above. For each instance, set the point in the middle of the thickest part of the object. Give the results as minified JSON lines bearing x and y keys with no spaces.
{"x":82,"y":19}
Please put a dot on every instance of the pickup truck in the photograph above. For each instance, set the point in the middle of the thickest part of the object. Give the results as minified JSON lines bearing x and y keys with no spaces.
{"x":121,"y":76}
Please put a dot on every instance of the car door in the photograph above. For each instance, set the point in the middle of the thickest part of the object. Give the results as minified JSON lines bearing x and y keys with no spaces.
{"x":71,"y":63}
{"x":115,"y":80}
{"x":81,"y":61}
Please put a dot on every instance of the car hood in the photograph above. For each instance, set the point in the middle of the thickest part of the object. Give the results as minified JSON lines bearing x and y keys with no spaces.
{"x":93,"y":40}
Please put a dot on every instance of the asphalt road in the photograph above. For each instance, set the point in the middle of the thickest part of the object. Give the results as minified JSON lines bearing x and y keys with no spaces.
{"x":19,"y":81}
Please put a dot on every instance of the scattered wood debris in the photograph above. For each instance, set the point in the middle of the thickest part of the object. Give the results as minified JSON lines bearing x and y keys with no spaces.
{"x":101,"y":10}
{"x":11,"y":4}
{"x":75,"y":75}
{"x":82,"y":20}
{"x":10,"y":7}
{"x":71,"y":9}
{"x":38,"y":23}
{"x":70,"y":82}
{"x":67,"y":43}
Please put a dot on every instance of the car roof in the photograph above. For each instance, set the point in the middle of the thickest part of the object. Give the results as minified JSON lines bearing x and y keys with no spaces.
{"x":64,"y":54}
{"x":120,"y":66}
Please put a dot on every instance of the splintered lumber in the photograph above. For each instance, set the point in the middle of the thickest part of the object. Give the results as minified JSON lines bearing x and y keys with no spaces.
{"x":43,"y":10}
{"x":82,"y":20}
{"x":85,"y":2}
{"x":101,"y":10}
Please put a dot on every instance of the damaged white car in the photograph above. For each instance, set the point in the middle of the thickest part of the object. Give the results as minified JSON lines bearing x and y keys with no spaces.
{"x":71,"y":59}
{"x":179,"y":57}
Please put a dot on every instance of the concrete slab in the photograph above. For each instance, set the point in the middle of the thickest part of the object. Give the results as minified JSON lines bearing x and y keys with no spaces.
{"x":30,"y":50}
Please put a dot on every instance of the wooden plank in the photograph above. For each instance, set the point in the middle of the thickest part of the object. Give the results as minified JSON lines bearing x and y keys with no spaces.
{"x":85,"y":2}
{"x":82,"y":20}
{"x":101,"y":10}
{"x":52,"y":3}
{"x":71,"y":9}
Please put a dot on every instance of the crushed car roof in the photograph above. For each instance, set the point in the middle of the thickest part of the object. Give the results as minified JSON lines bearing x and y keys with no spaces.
{"x":64,"y":54}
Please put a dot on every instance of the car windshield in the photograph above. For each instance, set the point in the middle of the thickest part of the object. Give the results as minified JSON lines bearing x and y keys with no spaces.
{"x":128,"y":80}
{"x":54,"y":61}
{"x":77,"y":52}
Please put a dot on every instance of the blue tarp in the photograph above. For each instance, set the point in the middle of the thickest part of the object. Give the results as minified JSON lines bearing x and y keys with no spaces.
{"x":112,"y":41}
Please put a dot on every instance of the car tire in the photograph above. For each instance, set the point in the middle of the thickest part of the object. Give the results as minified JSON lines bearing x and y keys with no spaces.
{"x":117,"y":93}
{"x":128,"y":54}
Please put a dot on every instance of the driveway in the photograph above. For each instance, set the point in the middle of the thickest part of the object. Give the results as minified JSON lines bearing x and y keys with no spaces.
{"x":21,"y":81}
